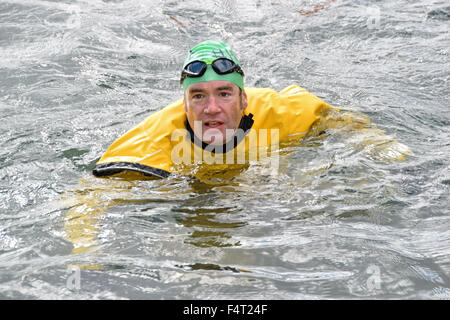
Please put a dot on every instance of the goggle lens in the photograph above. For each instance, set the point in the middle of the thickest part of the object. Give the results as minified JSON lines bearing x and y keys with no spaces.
{"x":222,"y":66}
{"x":195,"y":69}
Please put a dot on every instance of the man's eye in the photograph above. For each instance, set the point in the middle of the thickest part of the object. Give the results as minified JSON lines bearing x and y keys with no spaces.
{"x":197,"y":96}
{"x":225,"y":94}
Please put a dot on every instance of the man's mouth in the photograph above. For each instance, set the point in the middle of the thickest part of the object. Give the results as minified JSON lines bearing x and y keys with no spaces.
{"x":213,"y":124}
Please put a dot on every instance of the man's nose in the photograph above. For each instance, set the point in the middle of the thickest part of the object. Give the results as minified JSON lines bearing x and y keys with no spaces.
{"x":212,"y":106}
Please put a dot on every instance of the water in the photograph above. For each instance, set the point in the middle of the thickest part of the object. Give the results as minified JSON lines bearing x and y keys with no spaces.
{"x":337,"y":222}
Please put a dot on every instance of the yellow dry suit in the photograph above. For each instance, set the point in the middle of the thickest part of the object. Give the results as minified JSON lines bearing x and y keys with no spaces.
{"x":164,"y":143}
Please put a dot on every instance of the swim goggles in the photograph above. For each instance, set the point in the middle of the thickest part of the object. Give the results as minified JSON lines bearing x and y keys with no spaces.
{"x":197,"y":68}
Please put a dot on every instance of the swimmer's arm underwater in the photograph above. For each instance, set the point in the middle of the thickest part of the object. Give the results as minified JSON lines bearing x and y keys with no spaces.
{"x":322,"y":120}
{"x":360,"y":132}
{"x":82,"y":222}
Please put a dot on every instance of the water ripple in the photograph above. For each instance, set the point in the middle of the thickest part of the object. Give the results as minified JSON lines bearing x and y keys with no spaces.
{"x":339,"y":220}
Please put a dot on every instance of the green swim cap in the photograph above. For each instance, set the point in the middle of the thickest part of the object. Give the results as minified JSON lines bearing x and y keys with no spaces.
{"x":207,"y":52}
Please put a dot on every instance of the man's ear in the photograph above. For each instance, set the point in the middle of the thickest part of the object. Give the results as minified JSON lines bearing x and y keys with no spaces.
{"x":184,"y":103}
{"x":244,"y":101}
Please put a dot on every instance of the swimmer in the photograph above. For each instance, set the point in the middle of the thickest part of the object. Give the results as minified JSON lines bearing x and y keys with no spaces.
{"x":218,"y":120}
{"x":216,"y":116}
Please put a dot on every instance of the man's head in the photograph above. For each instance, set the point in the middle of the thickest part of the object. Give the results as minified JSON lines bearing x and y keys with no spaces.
{"x":214,"y":96}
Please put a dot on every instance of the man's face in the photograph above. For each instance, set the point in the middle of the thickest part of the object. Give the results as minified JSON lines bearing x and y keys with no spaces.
{"x":212,"y":108}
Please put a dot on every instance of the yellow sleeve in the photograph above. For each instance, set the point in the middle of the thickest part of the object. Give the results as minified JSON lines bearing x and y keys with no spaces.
{"x":87,"y":205}
{"x":361,"y":133}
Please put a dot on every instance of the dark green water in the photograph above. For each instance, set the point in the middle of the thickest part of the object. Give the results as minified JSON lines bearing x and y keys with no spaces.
{"x":336,"y":222}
